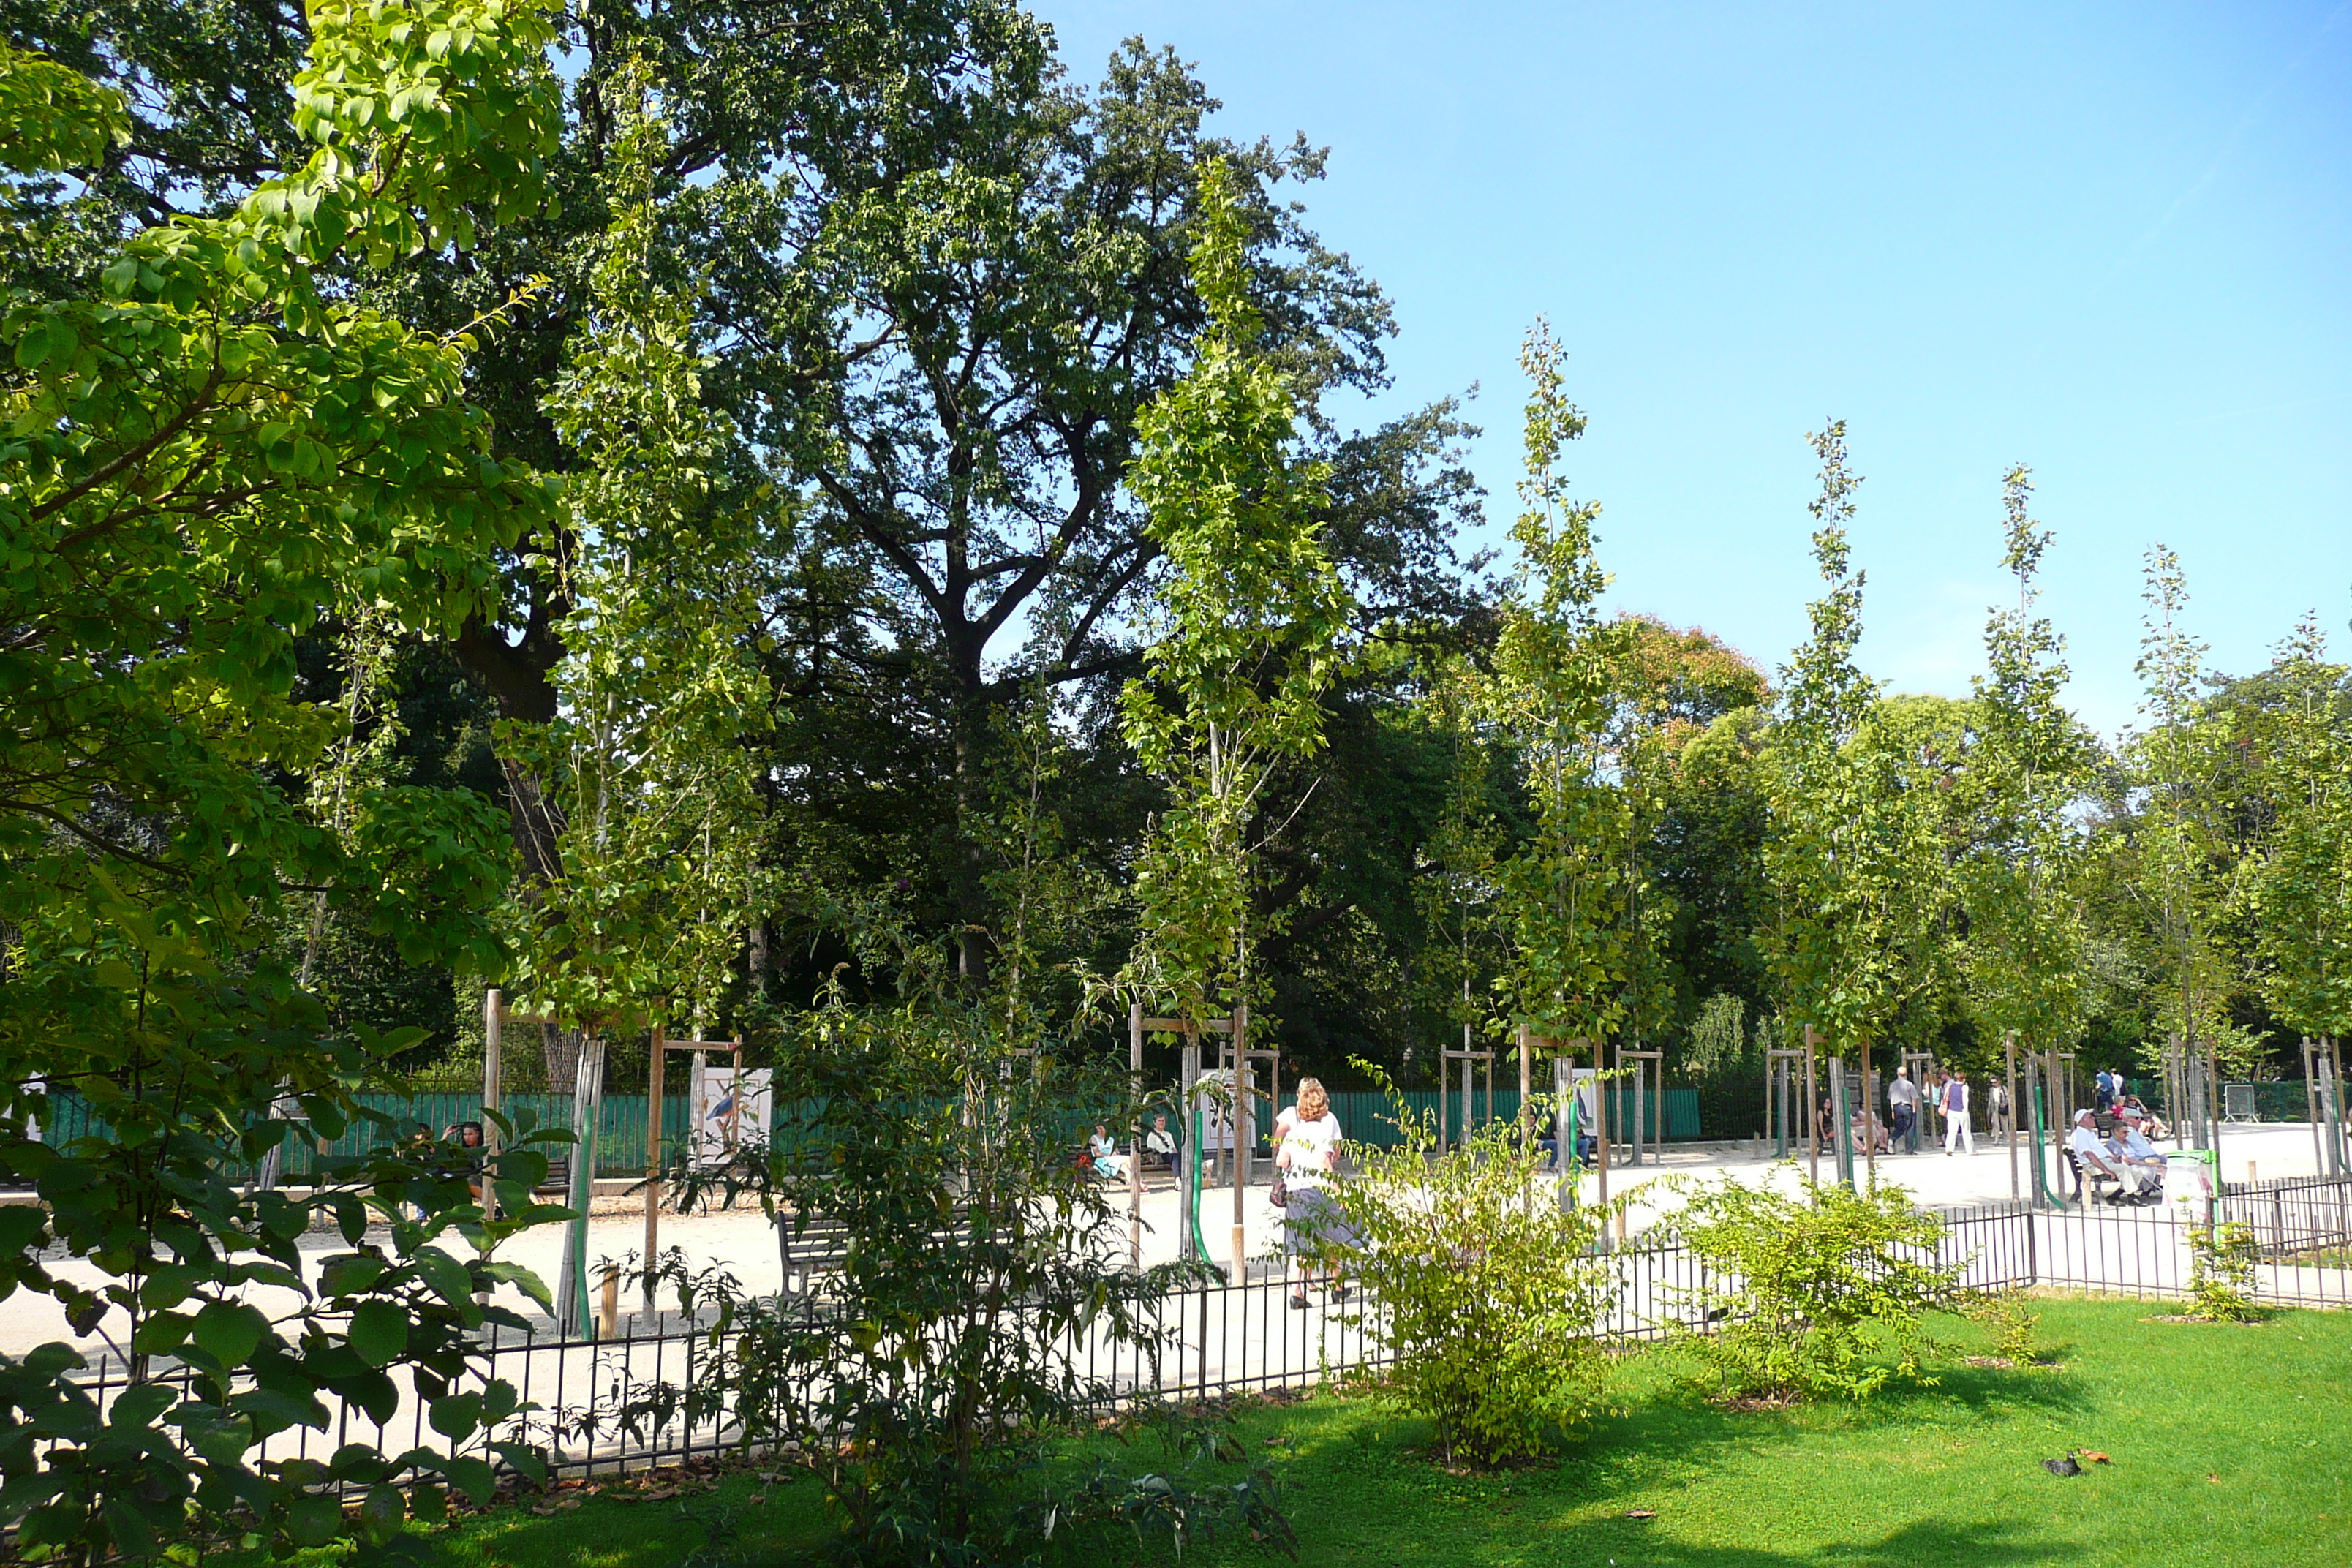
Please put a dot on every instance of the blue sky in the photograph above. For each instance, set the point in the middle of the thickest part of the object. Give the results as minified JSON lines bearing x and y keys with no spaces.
{"x":2111,"y":241}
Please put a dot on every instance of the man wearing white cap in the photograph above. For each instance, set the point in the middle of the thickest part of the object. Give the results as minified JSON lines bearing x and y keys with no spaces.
{"x":2093,"y":1158}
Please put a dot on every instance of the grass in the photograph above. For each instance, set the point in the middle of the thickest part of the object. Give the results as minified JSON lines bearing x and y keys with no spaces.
{"x":2228,"y":1445}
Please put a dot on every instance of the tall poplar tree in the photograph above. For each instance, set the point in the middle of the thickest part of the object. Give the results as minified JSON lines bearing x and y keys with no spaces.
{"x":2177,"y":843}
{"x":2026,"y":773}
{"x":1550,"y":702}
{"x":1855,"y":852}
{"x":1243,"y":630}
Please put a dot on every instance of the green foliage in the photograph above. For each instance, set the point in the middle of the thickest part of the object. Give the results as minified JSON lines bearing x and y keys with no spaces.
{"x":1243,"y":631}
{"x":1566,"y":887}
{"x":1718,"y":1039}
{"x":52,"y":118}
{"x":1486,"y":1290}
{"x":1800,"y":1292}
{"x":185,"y":1249}
{"x":203,"y":460}
{"x":639,"y":788}
{"x":1856,"y":852}
{"x":923,"y":1386}
{"x":2221,"y":1259}
{"x":2027,"y":772}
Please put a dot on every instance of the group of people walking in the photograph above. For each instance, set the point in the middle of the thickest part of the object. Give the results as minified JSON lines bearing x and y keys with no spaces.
{"x":1948,"y":1095}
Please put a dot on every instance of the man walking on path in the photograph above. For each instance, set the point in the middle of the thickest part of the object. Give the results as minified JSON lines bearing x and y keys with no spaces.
{"x":1956,"y":1114}
{"x":1903,"y":1110}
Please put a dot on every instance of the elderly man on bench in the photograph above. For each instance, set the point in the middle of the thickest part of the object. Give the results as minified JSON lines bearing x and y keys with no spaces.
{"x":2093,"y":1158}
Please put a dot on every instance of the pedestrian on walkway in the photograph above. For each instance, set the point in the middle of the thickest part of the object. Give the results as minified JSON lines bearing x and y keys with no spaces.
{"x":1903,"y":1110}
{"x":1307,"y":1151}
{"x":1956,"y":1114}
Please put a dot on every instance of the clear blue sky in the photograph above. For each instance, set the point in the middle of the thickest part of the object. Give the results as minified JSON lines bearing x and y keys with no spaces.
{"x":2111,"y":241}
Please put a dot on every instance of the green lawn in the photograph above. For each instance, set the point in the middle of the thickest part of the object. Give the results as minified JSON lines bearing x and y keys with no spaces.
{"x":2229,"y":1447}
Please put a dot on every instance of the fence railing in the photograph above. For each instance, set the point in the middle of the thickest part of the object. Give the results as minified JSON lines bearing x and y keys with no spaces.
{"x":1247,"y":1336}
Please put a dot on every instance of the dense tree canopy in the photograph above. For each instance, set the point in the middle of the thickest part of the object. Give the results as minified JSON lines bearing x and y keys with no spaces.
{"x":922,"y":279}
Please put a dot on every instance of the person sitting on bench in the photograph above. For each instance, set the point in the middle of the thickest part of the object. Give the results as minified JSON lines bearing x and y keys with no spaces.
{"x":2131,"y":1145}
{"x":2092,"y":1158}
{"x":1103,"y":1151}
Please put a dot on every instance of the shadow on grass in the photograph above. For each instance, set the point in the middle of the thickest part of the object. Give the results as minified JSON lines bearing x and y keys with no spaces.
{"x":741,"y":1524}
{"x":1641,"y":1541}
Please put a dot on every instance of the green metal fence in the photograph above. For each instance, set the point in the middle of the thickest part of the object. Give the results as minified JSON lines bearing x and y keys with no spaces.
{"x":620,"y":1127}
{"x":1368,"y":1117}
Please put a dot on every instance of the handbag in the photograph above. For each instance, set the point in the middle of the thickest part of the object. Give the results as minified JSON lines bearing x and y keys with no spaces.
{"x":1279,"y":1193}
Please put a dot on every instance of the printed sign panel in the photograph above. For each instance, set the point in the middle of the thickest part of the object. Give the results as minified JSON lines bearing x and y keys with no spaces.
{"x":730,"y":1110}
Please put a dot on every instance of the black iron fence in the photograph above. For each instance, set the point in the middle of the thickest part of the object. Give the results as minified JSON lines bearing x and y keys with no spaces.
{"x":586,"y":1405}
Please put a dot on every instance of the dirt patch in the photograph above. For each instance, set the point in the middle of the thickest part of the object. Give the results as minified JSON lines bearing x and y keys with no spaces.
{"x":1750,"y":1401}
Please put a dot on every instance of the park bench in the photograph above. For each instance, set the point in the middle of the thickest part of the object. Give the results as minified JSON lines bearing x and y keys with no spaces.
{"x":2099,"y":1179}
{"x":2095,"y":1180}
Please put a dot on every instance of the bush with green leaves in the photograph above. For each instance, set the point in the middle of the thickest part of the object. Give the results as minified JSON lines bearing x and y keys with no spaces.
{"x":230,"y":1334}
{"x":924,"y":1380}
{"x":2221,"y":1258}
{"x":1806,"y":1295}
{"x":1486,"y":1292}
{"x":2011,"y":1322}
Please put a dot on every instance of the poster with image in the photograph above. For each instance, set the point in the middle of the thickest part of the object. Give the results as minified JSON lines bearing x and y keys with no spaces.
{"x":731,"y":1108}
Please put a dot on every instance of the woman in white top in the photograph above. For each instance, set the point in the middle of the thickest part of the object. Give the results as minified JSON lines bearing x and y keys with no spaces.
{"x":1306,"y":1152}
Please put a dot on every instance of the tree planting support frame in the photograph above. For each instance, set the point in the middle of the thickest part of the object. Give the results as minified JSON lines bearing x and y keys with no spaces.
{"x":2322,"y":1096}
{"x":1921,"y":1065}
{"x":1813,"y":1108}
{"x":2009,"y":1077}
{"x":1780,"y":1093}
{"x":1648,"y":1074}
{"x":1465,"y":1056}
{"x":1193,"y":1150}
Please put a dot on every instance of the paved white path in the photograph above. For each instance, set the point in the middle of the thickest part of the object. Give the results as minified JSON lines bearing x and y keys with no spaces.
{"x":743,"y":1243}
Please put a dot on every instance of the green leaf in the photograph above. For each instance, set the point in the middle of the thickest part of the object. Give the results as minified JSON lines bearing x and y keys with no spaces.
{"x":379,"y":1332}
{"x":471,"y":1475}
{"x":229,"y":1332}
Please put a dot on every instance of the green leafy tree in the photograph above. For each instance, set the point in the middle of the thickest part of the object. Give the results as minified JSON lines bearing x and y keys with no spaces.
{"x":639,"y":788}
{"x":2178,"y":844}
{"x":2301,"y":877}
{"x":1243,"y":630}
{"x":208,"y":451}
{"x":1566,"y":887}
{"x":1856,"y":854}
{"x":2025,"y":776}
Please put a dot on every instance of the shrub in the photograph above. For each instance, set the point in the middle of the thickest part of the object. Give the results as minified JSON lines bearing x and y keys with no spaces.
{"x":1485,"y":1292}
{"x":1801,"y":1291}
{"x":2221,"y":1271}
{"x":926,"y":1382}
{"x":2012,"y":1324}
